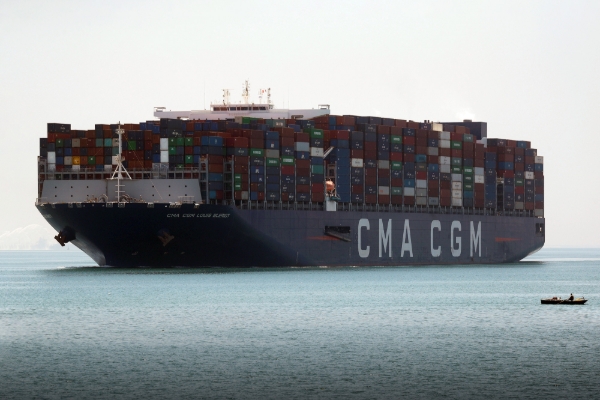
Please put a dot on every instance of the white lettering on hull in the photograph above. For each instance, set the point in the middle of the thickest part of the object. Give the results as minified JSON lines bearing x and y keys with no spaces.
{"x":406,"y":240}
{"x":363,"y":223}
{"x":435,"y":252}
{"x":475,"y":238}
{"x":385,"y":238}
{"x":455,"y":250}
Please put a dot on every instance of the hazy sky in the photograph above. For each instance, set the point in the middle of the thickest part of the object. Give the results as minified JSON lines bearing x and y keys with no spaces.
{"x":531,"y":69}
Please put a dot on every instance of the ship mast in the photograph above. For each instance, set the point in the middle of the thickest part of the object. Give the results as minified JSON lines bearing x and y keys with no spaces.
{"x":120,"y":170}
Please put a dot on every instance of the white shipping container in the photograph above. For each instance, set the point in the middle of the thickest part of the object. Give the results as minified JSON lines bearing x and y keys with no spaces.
{"x":421,"y":201}
{"x":115,"y":160}
{"x":76,"y":168}
{"x":164,"y":144}
{"x":421,"y":183}
{"x":75,"y":142}
{"x":456,"y":177}
{"x":357,"y":162}
{"x":479,"y":171}
{"x":51,"y":157}
{"x":483,"y":141}
{"x":433,"y":151}
{"x":302,"y":146}
{"x":539,"y":159}
{"x":164,"y":156}
{"x":445,"y":136}
{"x":383,"y":164}
{"x":314,"y":152}
{"x":421,"y":192}
{"x":529,"y":175}
{"x":437,"y":127}
{"x":51,"y":167}
{"x":443,"y":160}
{"x":275,"y":153}
{"x":479,"y":179}
{"x":433,"y":201}
{"x":456,"y":185}
{"x":107,"y":168}
{"x":538,"y":212}
{"x":115,"y":142}
{"x":239,"y":119}
{"x":244,"y":195}
{"x":456,"y":202}
{"x":519,"y":205}
{"x":444,"y":143}
{"x":384,"y":190}
{"x":457,"y":194}
{"x":68,"y":160}
{"x":445,"y":169}
{"x":408,"y":191}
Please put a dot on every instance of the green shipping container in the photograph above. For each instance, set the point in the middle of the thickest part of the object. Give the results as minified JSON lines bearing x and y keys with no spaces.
{"x":237,"y":177}
{"x":91,"y":160}
{"x":179,"y":142}
{"x":257,"y":152}
{"x":107,"y":143}
{"x":456,"y":162}
{"x":396,"y":191}
{"x":316,"y":169}
{"x":456,"y":170}
{"x":468,"y":170}
{"x":61,"y":143}
{"x":468,"y":186}
{"x":519,"y":182}
{"x":172,"y":150}
{"x":99,"y":142}
{"x":455,"y":145}
{"x":396,"y":139}
{"x":115,"y":151}
{"x":288,"y":161}
{"x":131,"y":145}
{"x":467,"y":137}
{"x":468,"y":179}
{"x":275,"y":122}
{"x":396,"y":165}
{"x":180,"y":166}
{"x":315,"y":133}
{"x":189,"y":159}
{"x":272,"y":162}
{"x":237,"y":186}
{"x":189,"y":141}
{"x":172,"y":141}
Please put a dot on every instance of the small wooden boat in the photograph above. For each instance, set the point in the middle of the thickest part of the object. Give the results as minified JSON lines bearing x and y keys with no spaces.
{"x":558,"y":300}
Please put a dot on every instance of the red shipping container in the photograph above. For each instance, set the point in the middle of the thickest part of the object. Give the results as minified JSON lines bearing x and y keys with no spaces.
{"x":357,"y":154}
{"x":384,"y":199}
{"x":395,"y":131}
{"x":83,"y":161}
{"x":396,"y":182}
{"x":529,"y":205}
{"x":421,"y":141}
{"x":304,"y":172}
{"x":287,"y":142}
{"x":479,"y":202}
{"x":370,"y":154}
{"x":303,"y":164}
{"x":445,"y":152}
{"x":302,"y":137}
{"x":433,"y":135}
{"x":317,"y":197}
{"x":254,"y":187}
{"x":519,"y":189}
{"x":216,"y":168}
{"x":468,"y":146}
{"x":457,"y":153}
{"x":445,"y":193}
{"x":506,"y":150}
{"x":422,"y":175}
{"x":395,"y":156}
{"x":51,"y":138}
{"x":432,"y":159}
{"x":188,"y":150}
{"x":317,"y":188}
{"x":460,"y":129}
{"x":421,"y":133}
{"x":408,"y":157}
{"x":371,"y":180}
{"x":156,"y":139}
{"x":256,"y":134}
{"x":214,"y":159}
{"x":445,"y":201}
{"x":370,"y":146}
{"x":241,"y":160}
{"x":408,"y":201}
{"x":148,"y":135}
{"x":287,"y":170}
{"x":75,"y":151}
{"x":519,"y":167}
{"x":238,"y":142}
{"x":506,"y":157}
{"x":511,"y":143}
{"x":433,"y":183}
{"x":421,"y":150}
{"x":538,"y":175}
{"x":302,"y":188}
{"x":479,"y":163}
{"x":371,"y":198}
{"x":539,"y":205}
{"x":357,"y":189}
{"x":409,"y":140}
{"x":519,"y":151}
{"x":396,"y":200}
{"x":433,"y":191}
{"x":479,"y":155}
{"x":491,"y":149}
{"x":456,"y":136}
{"x":480,"y":187}
{"x":383,"y":173}
{"x":382,"y":129}
{"x":147,"y":164}
{"x":257,"y":143}
{"x":503,"y":173}
{"x":538,"y":189}
{"x":371,"y":172}
{"x":400,"y":123}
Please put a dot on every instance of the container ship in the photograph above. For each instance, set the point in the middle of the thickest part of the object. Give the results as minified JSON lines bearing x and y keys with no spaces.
{"x":248,"y":185}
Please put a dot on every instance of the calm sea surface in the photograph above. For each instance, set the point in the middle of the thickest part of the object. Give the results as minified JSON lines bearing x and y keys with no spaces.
{"x":71,"y":330}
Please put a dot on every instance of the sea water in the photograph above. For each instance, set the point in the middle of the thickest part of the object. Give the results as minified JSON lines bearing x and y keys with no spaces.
{"x":72,"y":330}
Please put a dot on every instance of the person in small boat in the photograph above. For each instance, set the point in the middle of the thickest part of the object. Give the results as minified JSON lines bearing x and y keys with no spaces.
{"x":571,"y":298}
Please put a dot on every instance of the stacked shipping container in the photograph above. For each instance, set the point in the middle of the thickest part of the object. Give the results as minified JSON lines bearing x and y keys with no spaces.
{"x":372,"y":160}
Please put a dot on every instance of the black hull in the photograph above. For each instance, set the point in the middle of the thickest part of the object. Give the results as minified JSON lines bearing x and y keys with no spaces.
{"x":223,"y":236}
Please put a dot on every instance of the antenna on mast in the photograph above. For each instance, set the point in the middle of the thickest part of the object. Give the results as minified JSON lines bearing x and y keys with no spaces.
{"x":246,"y":92}
{"x":226,"y":97}
{"x":269,"y":96}
{"x":120,"y":170}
